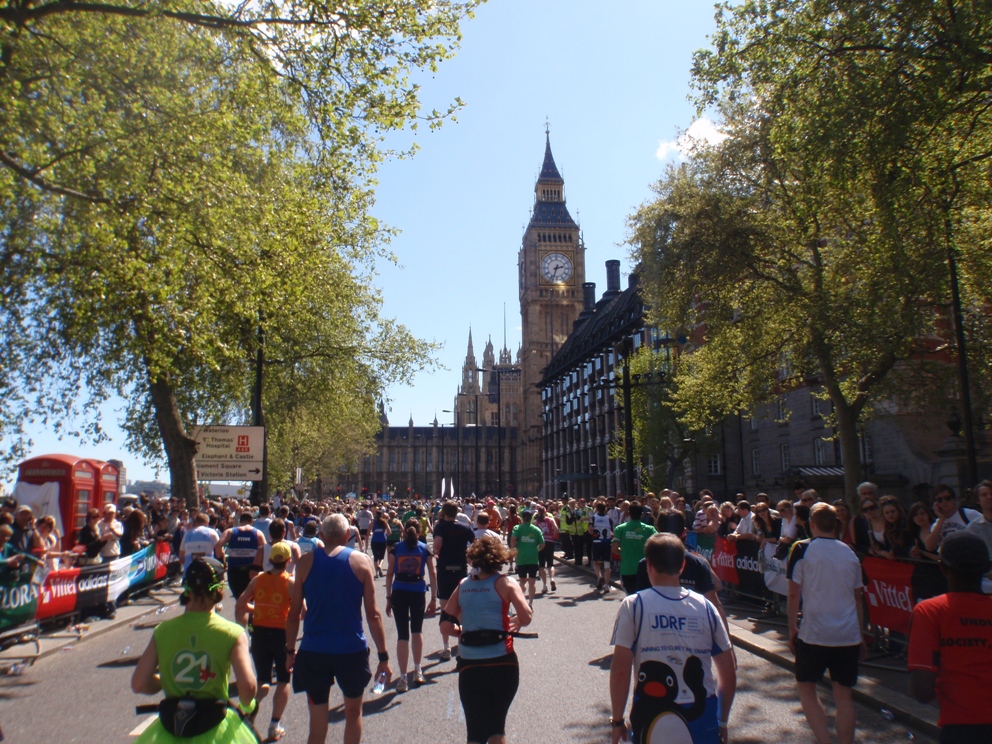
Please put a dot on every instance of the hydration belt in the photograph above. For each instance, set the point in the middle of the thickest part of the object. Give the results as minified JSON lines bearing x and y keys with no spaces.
{"x":186,"y":717}
{"x":407,"y":578}
{"x":483,"y":637}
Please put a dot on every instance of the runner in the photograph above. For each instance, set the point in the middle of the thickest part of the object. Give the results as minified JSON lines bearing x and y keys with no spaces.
{"x":198,"y":542}
{"x":630,"y":538}
{"x":451,"y":540}
{"x":950,"y":644}
{"x":267,"y":599}
{"x":364,"y":521}
{"x":528,"y":541}
{"x":242,"y":543}
{"x":190,"y":659}
{"x":405,"y":596}
{"x":546,"y":558}
{"x":478,"y":612}
{"x":335,"y":582}
{"x":672,"y":640}
{"x":309,"y":541}
{"x":380,"y":531}
{"x":601,"y":535}
{"x":826,"y":574}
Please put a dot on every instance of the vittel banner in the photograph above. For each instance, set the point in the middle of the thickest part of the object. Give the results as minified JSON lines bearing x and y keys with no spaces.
{"x":889,"y":591}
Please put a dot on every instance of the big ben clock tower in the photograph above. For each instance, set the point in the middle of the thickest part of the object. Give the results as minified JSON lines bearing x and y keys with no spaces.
{"x":552,"y":269}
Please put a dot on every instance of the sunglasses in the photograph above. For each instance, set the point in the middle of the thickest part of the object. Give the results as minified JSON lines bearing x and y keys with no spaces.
{"x":869,"y":507}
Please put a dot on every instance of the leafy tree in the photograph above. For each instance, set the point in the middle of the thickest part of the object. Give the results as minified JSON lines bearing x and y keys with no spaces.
{"x":813,"y":244}
{"x":168,"y":177}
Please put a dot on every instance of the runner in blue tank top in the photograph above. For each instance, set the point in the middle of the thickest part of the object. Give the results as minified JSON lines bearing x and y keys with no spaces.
{"x":488,"y":671}
{"x":335,"y":582}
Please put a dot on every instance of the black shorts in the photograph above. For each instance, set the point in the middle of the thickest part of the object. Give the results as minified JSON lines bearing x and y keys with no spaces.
{"x":486,"y":688}
{"x":408,"y":611}
{"x":314,"y":673}
{"x":268,"y":649}
{"x":364,"y":533}
{"x":842,"y":661}
{"x":629,"y":583}
{"x":527,"y":572}
{"x":546,"y":558}
{"x":601,"y":552}
{"x":448,"y":578}
{"x":238,"y":577}
{"x":378,"y":551}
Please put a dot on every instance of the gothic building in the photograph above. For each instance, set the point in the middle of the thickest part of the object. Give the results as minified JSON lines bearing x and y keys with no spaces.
{"x":552,"y":268}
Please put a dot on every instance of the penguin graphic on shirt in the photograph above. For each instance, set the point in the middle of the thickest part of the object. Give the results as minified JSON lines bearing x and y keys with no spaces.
{"x":655,"y":712}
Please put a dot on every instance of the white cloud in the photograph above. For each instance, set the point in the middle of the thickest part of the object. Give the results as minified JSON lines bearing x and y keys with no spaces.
{"x":701,"y":133}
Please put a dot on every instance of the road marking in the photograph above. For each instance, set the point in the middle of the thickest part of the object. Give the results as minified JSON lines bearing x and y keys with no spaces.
{"x":140,"y":728}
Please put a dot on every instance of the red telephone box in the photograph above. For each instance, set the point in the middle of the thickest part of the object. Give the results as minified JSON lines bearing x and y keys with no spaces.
{"x":75,"y":481}
{"x":109,"y":479}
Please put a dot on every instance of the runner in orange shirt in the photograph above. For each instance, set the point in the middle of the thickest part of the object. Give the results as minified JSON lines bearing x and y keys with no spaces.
{"x":267,"y":599}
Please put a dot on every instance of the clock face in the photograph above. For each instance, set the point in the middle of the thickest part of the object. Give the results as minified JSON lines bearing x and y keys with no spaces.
{"x":556,"y":268}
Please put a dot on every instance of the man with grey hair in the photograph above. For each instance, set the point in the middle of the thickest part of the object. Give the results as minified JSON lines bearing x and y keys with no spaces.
{"x":335,"y":582}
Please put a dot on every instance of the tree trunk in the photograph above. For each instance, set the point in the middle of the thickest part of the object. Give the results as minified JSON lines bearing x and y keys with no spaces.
{"x":179,"y":448}
{"x":847,"y":431}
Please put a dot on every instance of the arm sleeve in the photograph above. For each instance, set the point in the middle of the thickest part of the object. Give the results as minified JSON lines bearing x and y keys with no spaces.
{"x":924,"y":637}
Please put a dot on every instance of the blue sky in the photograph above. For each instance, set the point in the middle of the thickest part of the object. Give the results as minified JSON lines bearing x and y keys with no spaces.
{"x":612,"y":82}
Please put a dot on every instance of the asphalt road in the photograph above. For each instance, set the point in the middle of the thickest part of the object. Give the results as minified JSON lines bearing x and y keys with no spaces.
{"x":83,"y":695}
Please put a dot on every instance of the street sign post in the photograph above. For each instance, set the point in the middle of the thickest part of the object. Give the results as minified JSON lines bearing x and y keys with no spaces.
{"x":226,"y":453}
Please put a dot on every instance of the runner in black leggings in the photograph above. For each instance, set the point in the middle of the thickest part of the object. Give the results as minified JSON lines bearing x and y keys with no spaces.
{"x":406,"y":593}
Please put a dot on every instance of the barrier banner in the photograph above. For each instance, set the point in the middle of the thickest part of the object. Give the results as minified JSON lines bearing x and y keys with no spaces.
{"x":724,"y":560}
{"x":750,"y":575}
{"x":18,"y":594}
{"x":703,"y":545}
{"x":889,"y":591}
{"x":77,"y":589}
{"x":774,"y":570}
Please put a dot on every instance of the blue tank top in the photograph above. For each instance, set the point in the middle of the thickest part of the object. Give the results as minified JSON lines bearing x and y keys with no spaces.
{"x":333,"y":624}
{"x":242,"y":547}
{"x":409,"y":563}
{"x":483,"y":609}
{"x":378,"y":534}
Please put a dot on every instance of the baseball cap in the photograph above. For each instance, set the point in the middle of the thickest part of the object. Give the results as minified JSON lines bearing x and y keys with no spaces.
{"x":965,"y":552}
{"x":281,"y":552}
{"x":490,"y":502}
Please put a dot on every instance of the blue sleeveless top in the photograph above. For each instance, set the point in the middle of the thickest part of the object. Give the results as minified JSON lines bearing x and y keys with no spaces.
{"x":409,"y":567}
{"x":242,"y":547}
{"x":333,"y":624}
{"x":483,"y":609}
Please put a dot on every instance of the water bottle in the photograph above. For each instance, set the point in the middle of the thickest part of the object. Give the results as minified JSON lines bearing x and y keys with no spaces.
{"x":380,"y":684}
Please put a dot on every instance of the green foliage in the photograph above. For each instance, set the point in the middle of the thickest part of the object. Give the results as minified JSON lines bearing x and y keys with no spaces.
{"x":812,"y":244}
{"x":170,"y":174}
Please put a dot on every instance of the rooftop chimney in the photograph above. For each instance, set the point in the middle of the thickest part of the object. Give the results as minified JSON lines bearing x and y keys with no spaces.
{"x":612,"y":280}
{"x":588,"y":295}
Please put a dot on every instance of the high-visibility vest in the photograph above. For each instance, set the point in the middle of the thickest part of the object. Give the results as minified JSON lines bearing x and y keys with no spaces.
{"x":563,"y":525}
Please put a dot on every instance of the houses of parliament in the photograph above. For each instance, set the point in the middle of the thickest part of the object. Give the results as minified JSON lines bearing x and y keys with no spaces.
{"x":494,"y":445}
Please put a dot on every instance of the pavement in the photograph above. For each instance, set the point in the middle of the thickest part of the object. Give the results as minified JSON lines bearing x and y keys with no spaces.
{"x":882,"y":679}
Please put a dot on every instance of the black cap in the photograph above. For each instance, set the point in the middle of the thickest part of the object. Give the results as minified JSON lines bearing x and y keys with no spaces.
{"x":965,"y":552}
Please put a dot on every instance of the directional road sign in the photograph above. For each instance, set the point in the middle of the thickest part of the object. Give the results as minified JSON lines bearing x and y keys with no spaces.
{"x":229,"y":452}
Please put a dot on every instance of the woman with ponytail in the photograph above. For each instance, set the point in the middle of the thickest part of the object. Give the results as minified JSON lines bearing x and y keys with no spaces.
{"x":190,"y":658}
{"x":406,"y":594}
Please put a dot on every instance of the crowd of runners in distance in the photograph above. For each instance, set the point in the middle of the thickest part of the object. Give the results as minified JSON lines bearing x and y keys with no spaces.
{"x":454,"y":559}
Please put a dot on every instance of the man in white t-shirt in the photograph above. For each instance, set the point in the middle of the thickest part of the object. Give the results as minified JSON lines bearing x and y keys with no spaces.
{"x":674,"y":643}
{"x":826,"y":574}
{"x":745,"y":527}
{"x":950,"y":517}
{"x":200,"y":541}
{"x":364,"y":523}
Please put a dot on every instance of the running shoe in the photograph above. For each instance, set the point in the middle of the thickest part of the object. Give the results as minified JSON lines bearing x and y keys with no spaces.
{"x":599,"y":583}
{"x":402,"y":685}
{"x":418,"y":677}
{"x":445,"y":654}
{"x":553,"y":587}
{"x":276,"y":732}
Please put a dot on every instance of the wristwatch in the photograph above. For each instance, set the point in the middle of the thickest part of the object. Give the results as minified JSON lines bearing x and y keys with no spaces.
{"x":617,"y":722}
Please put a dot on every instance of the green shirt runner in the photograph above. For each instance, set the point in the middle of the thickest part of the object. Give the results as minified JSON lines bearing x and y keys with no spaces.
{"x":194,"y":654}
{"x":631,"y":536}
{"x":529,"y":541}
